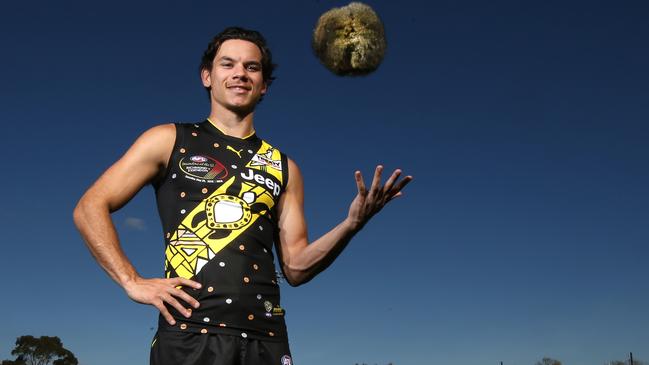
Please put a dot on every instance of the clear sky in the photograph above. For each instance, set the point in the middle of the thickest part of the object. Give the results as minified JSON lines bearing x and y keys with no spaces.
{"x":525,"y":125}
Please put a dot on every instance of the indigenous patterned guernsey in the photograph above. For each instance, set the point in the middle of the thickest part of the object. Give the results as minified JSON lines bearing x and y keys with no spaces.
{"x":217,"y":205}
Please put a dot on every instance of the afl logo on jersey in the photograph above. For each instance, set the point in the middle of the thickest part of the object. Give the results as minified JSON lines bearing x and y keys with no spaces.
{"x":203,"y":169}
{"x":198,"y":159}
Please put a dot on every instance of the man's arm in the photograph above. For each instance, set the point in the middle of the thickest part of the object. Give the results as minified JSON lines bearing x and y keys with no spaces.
{"x":145,"y":160}
{"x":302,"y":261}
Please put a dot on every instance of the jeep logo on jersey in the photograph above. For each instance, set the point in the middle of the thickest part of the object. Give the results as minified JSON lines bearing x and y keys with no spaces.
{"x":203,"y":169}
{"x":270,"y":184}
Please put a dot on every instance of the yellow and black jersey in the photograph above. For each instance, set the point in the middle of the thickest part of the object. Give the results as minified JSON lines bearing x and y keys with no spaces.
{"x":217,"y":203}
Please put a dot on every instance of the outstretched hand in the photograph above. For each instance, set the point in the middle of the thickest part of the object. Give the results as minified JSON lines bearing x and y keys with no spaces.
{"x":368,"y":203}
{"x":157,"y":292}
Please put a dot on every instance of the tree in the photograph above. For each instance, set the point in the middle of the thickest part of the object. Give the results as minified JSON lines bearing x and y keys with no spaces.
{"x":44,"y":350}
{"x":627,"y":362}
{"x":548,"y":361}
{"x":9,"y":362}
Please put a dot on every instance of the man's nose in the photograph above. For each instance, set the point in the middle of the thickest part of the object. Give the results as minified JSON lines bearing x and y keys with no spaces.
{"x":240,"y":72}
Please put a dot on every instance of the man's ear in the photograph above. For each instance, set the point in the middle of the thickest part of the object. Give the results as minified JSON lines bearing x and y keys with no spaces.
{"x":206,"y":77}
{"x":264,"y":88}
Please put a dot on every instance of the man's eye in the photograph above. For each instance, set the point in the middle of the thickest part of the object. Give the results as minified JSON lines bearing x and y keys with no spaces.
{"x":253,"y":68}
{"x":226,"y":65}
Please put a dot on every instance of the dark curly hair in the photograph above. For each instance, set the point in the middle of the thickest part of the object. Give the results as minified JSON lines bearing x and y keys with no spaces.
{"x":267,"y":65}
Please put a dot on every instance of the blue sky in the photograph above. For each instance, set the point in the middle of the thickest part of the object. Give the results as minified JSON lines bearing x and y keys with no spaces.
{"x":524,"y":233}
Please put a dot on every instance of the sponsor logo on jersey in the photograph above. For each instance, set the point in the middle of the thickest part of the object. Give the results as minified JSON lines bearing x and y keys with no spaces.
{"x":203,"y":168}
{"x":268,"y":306}
{"x":198,"y":159}
{"x":278,"y":311}
{"x":266,"y":160}
{"x":238,"y":152}
{"x":286,"y":360}
{"x":264,"y":181}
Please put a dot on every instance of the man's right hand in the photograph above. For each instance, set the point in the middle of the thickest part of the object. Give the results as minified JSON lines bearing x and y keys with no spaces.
{"x":146,"y":159}
{"x":157,"y":292}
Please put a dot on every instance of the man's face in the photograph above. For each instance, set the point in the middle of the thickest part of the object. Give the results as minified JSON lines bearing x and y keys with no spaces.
{"x":236,"y":79}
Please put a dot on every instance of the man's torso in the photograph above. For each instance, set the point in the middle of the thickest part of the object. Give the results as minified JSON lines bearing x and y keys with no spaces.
{"x":217,"y":203}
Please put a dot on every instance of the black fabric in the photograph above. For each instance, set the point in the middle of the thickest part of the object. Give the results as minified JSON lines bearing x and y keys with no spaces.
{"x":186,"y":348}
{"x":217,"y":205}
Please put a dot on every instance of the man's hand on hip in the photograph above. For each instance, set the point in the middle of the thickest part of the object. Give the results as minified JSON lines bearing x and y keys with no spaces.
{"x":157,"y":292}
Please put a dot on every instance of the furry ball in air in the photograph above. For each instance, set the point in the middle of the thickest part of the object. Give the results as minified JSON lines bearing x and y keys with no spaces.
{"x":350,"y":40}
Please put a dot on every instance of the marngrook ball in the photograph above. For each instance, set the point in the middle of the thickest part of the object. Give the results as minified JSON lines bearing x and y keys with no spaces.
{"x":350,"y":41}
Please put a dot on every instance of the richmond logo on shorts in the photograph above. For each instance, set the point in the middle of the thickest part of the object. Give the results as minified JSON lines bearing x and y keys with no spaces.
{"x":203,"y":169}
{"x":286,"y":360}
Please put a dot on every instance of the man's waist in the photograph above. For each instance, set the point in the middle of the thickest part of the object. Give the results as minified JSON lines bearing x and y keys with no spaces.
{"x":273,"y":330}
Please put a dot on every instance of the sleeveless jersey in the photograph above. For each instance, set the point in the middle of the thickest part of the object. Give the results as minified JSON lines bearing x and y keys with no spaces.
{"x":217,"y":203}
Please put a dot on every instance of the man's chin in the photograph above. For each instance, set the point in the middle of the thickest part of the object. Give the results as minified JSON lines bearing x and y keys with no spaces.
{"x":242,"y":109}
{"x":245,"y":106}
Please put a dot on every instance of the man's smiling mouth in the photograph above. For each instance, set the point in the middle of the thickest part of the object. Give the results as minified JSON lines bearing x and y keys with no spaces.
{"x":239,"y":87}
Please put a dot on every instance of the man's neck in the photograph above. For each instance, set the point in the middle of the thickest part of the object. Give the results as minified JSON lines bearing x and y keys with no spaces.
{"x":231,"y":123}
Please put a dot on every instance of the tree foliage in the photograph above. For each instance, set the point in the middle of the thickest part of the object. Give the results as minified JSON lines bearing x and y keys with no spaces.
{"x":627,"y":362}
{"x":44,"y":350}
{"x":548,"y":361}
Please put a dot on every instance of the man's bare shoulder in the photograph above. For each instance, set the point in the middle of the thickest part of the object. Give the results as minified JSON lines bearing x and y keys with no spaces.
{"x":292,"y":165}
{"x":294,"y":174}
{"x":156,"y":142}
{"x":160,"y":133}
{"x":149,"y":154}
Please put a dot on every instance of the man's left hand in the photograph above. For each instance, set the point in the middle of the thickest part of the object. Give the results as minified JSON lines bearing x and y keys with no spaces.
{"x":368,"y":203}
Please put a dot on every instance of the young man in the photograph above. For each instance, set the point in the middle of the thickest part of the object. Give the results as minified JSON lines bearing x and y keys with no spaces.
{"x":225,"y":197}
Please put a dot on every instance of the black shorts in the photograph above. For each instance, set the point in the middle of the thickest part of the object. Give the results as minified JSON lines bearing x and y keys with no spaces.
{"x":186,"y":348}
